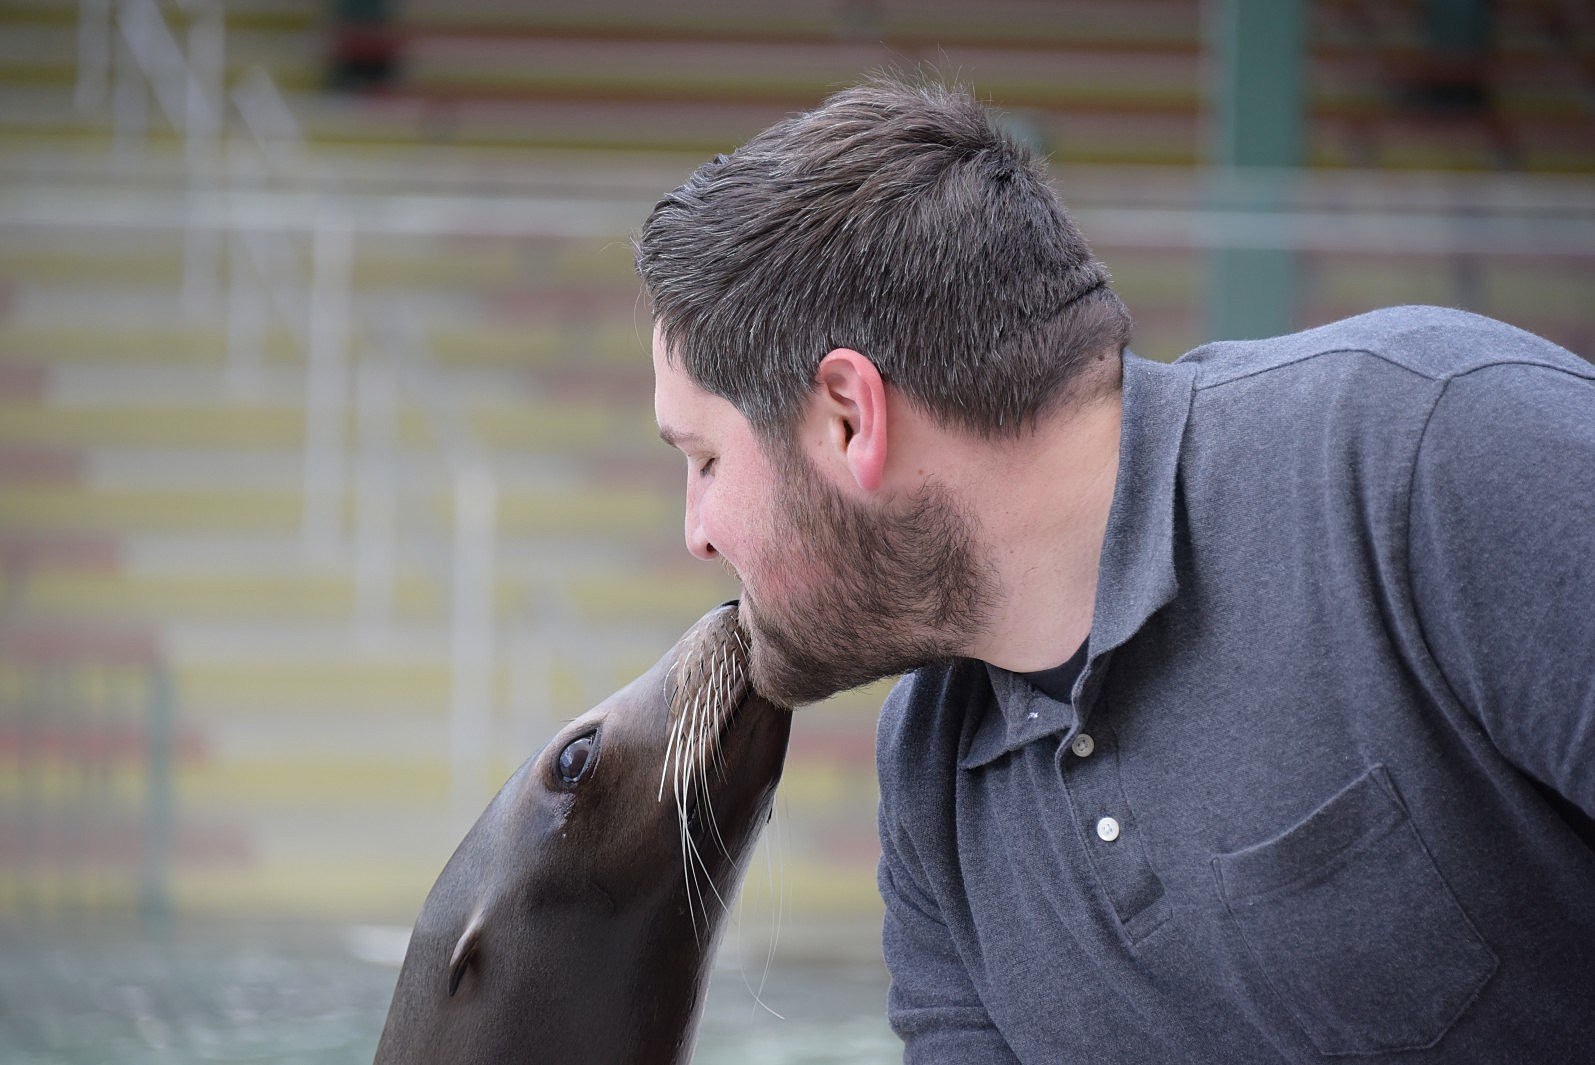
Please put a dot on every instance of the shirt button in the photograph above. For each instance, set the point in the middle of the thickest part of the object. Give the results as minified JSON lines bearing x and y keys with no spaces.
{"x":1083,"y":745}
{"x":1107,"y":830}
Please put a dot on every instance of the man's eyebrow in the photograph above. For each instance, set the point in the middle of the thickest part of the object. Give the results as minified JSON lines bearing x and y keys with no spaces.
{"x":678,"y":438}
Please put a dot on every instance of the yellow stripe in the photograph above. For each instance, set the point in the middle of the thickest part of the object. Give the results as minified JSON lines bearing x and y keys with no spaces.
{"x":36,"y":508}
{"x":270,"y":787}
{"x":351,"y":686}
{"x":188,"y":426}
{"x":297,"y":596}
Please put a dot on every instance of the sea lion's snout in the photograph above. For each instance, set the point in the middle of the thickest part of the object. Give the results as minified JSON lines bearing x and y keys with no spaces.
{"x":723,"y":752}
{"x":706,"y":688}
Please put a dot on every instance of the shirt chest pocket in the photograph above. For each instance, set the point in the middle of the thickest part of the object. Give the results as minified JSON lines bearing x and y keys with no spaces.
{"x":1349,"y":921}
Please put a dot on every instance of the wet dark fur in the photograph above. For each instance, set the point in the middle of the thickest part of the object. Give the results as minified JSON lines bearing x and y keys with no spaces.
{"x":577,"y":924}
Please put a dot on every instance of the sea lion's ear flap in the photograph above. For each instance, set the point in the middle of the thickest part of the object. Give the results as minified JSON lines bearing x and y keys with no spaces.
{"x":464,"y":951}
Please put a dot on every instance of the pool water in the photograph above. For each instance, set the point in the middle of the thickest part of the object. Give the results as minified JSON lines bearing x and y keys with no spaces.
{"x":72,"y":994}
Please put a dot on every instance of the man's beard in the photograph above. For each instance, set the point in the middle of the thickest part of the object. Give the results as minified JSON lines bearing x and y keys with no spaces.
{"x":876,"y":594}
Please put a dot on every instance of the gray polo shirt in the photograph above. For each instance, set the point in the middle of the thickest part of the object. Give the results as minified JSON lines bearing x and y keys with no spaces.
{"x":1326,"y":785}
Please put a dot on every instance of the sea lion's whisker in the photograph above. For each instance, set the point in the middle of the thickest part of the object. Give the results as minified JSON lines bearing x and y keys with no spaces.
{"x":678,"y":719}
{"x":774,"y":883}
{"x":686,"y":866}
{"x":664,"y":771}
{"x":713,"y":822}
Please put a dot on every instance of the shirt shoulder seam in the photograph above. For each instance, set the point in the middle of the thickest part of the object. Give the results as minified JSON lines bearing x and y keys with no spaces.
{"x":1201,"y":385}
{"x":1406,"y":562}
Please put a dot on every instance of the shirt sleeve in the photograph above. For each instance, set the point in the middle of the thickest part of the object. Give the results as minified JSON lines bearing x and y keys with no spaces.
{"x":932,"y":1005}
{"x":1502,"y":557}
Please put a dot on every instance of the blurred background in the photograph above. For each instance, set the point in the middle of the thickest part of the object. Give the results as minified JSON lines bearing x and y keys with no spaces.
{"x":329,"y":483}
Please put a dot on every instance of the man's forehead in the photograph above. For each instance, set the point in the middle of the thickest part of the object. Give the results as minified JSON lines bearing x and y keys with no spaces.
{"x":691,"y":418}
{"x":657,"y":351}
{"x":672,"y":387}
{"x":680,"y":405}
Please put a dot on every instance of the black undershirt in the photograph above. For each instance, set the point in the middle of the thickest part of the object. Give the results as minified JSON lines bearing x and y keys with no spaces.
{"x":1058,"y":682}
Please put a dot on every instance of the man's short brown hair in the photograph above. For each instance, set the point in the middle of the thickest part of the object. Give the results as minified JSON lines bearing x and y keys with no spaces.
{"x":897,"y":219}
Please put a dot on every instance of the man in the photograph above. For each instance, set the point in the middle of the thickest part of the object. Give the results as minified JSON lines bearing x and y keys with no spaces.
{"x":1249,"y":701}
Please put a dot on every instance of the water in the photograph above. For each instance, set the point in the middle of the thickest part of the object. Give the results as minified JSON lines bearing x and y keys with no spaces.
{"x":829,"y":1014}
{"x":98,"y":995}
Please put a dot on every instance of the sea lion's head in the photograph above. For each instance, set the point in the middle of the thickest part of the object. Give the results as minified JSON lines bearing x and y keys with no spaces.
{"x":576,"y":920}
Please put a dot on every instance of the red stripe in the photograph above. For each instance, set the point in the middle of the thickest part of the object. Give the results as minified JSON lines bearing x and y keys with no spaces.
{"x":90,"y":744}
{"x":22,"y":381}
{"x":39,"y":465}
{"x":102,"y":844}
{"x":72,"y":644}
{"x":76,"y":552}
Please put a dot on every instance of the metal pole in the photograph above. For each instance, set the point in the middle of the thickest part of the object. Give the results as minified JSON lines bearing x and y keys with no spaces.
{"x":205,"y":82}
{"x":246,"y":318}
{"x":129,"y":103}
{"x":155,"y":859}
{"x":204,"y":71}
{"x":327,"y":388}
{"x":471,"y":637}
{"x":376,"y":497}
{"x":94,"y":54}
{"x":539,"y":642}
{"x":1257,"y":144}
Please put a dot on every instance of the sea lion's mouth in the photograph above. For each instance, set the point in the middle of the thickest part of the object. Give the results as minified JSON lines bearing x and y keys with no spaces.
{"x":707,"y":688}
{"x":723,"y":756}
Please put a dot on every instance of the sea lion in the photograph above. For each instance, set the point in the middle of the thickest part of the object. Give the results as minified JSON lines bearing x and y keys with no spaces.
{"x":576,"y":923}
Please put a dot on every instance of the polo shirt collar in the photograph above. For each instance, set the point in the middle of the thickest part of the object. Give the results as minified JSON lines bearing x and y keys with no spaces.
{"x":1135,"y":577}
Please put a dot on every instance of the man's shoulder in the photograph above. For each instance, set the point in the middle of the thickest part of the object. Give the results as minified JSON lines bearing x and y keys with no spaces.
{"x":1434,"y":343}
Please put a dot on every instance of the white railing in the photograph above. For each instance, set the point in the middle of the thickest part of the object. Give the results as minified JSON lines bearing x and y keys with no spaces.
{"x":129,"y":56}
{"x":473,"y":638}
{"x":395,"y":365}
{"x":128,"y":51}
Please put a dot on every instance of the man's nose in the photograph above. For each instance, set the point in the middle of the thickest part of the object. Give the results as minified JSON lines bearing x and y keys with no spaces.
{"x":697,"y":540}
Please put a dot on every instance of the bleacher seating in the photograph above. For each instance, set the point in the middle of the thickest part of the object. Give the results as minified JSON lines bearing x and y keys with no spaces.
{"x":150,"y":483}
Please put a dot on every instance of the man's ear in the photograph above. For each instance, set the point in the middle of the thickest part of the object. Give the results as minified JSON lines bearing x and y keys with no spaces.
{"x":850,"y":400}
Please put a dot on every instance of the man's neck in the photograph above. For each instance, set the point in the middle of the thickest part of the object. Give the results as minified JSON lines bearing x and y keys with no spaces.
{"x":1041,"y":505}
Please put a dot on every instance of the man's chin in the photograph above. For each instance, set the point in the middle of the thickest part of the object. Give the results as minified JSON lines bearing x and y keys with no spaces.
{"x":773,"y":679}
{"x":795,"y":683}
{"x":786,"y":672}
{"x":779,"y":680}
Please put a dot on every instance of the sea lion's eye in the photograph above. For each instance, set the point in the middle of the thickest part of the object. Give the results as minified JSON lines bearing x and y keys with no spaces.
{"x":576,"y":760}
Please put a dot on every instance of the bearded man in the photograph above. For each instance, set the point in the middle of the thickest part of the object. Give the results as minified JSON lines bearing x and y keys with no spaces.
{"x":1248,"y":702}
